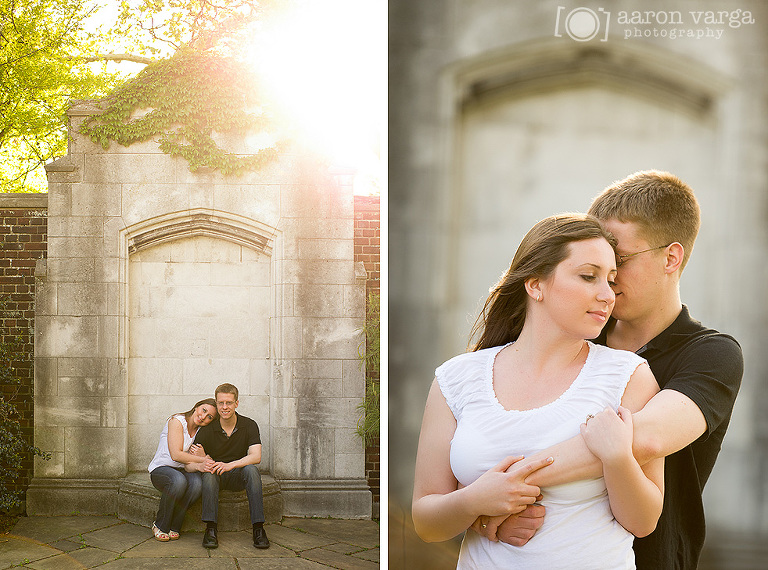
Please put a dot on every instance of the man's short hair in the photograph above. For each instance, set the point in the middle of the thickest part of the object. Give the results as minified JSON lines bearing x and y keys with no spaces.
{"x":662,"y":205}
{"x":225,"y":389}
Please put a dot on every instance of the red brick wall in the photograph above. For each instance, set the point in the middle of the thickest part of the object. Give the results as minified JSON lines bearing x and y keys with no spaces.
{"x":368,"y":238}
{"x":23,"y":238}
{"x":367,"y":250}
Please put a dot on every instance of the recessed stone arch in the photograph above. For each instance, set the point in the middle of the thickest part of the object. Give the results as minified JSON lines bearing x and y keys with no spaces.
{"x":547,"y":124}
{"x":221,"y":225}
{"x":200,"y":302}
{"x":642,"y":70}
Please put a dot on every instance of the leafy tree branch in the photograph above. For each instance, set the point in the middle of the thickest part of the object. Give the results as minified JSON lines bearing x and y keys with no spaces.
{"x":50,"y":54}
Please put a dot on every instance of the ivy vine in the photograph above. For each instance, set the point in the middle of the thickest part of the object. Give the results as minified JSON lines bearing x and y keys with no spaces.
{"x":190,"y":96}
{"x":369,"y":352}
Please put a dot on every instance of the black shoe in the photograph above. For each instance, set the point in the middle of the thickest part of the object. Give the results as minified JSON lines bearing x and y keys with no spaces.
{"x":260,"y":539}
{"x":210,"y":540}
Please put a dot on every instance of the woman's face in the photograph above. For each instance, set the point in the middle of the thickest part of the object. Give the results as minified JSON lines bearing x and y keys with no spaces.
{"x":204,"y":414}
{"x":578,"y":296}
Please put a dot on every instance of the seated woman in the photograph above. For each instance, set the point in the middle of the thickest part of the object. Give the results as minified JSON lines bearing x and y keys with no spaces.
{"x":179,"y":488}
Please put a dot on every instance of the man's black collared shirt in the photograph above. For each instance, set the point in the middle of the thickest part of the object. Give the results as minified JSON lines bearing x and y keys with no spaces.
{"x":706,"y":366}
{"x":214,"y":439}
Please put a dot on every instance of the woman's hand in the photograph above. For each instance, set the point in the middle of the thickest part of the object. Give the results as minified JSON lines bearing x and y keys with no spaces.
{"x":197,"y":449}
{"x":206,"y":466}
{"x":608,"y":435}
{"x":636,"y":493}
{"x":502,"y":490}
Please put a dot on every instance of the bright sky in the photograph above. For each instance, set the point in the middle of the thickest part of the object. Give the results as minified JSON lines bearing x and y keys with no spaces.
{"x":323,"y":63}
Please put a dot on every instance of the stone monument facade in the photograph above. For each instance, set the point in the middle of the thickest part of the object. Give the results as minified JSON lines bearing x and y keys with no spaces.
{"x":161,"y":284}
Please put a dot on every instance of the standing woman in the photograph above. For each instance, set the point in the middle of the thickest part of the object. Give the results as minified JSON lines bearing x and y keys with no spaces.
{"x":179,"y":488}
{"x":531,"y":381}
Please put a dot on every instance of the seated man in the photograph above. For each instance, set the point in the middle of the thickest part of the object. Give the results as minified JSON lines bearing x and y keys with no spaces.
{"x":233,"y":443}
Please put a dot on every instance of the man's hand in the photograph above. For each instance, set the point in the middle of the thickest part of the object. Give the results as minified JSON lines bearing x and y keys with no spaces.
{"x":518,"y":529}
{"x":219,"y":468}
{"x":515,"y":529}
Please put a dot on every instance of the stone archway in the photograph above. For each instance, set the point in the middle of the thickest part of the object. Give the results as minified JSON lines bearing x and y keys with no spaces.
{"x":544,"y":125}
{"x":199,"y":305}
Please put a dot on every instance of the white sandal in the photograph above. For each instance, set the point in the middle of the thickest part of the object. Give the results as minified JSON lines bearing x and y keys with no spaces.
{"x":159,"y":534}
{"x":173,"y":535}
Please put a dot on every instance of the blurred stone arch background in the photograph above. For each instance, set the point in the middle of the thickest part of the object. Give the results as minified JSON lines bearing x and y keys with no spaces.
{"x":496,"y":122}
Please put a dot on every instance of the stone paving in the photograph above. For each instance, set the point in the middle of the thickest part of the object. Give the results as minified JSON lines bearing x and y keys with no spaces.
{"x":77,"y":542}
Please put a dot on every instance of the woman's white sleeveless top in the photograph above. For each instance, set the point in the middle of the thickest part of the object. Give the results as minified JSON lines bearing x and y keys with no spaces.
{"x":163,"y":454}
{"x":579,"y":530}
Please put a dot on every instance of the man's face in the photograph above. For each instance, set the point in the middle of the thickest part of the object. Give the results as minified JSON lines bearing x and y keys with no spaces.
{"x":639,"y":277}
{"x":226,"y":405}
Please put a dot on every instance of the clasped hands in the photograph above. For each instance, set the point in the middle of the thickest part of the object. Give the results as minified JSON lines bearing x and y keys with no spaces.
{"x":209,"y":465}
{"x":515,"y":518}
{"x":608,"y":435}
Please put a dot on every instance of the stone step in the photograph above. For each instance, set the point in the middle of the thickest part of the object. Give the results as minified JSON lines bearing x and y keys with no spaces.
{"x":138,"y":501}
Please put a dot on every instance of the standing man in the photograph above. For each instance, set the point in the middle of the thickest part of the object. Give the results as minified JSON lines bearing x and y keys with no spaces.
{"x":655,"y":218}
{"x":233,"y":443}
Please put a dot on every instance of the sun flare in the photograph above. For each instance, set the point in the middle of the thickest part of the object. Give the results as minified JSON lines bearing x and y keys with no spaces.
{"x":323,"y":66}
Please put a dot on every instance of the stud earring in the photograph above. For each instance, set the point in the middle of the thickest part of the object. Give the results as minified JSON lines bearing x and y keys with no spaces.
{"x":540,"y":297}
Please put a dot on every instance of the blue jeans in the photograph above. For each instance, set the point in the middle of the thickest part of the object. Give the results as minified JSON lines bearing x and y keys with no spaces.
{"x":237,"y":479}
{"x":179,"y":490}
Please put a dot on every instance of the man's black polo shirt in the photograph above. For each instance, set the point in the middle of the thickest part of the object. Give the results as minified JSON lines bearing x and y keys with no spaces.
{"x":706,"y":366}
{"x":225,"y":449}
